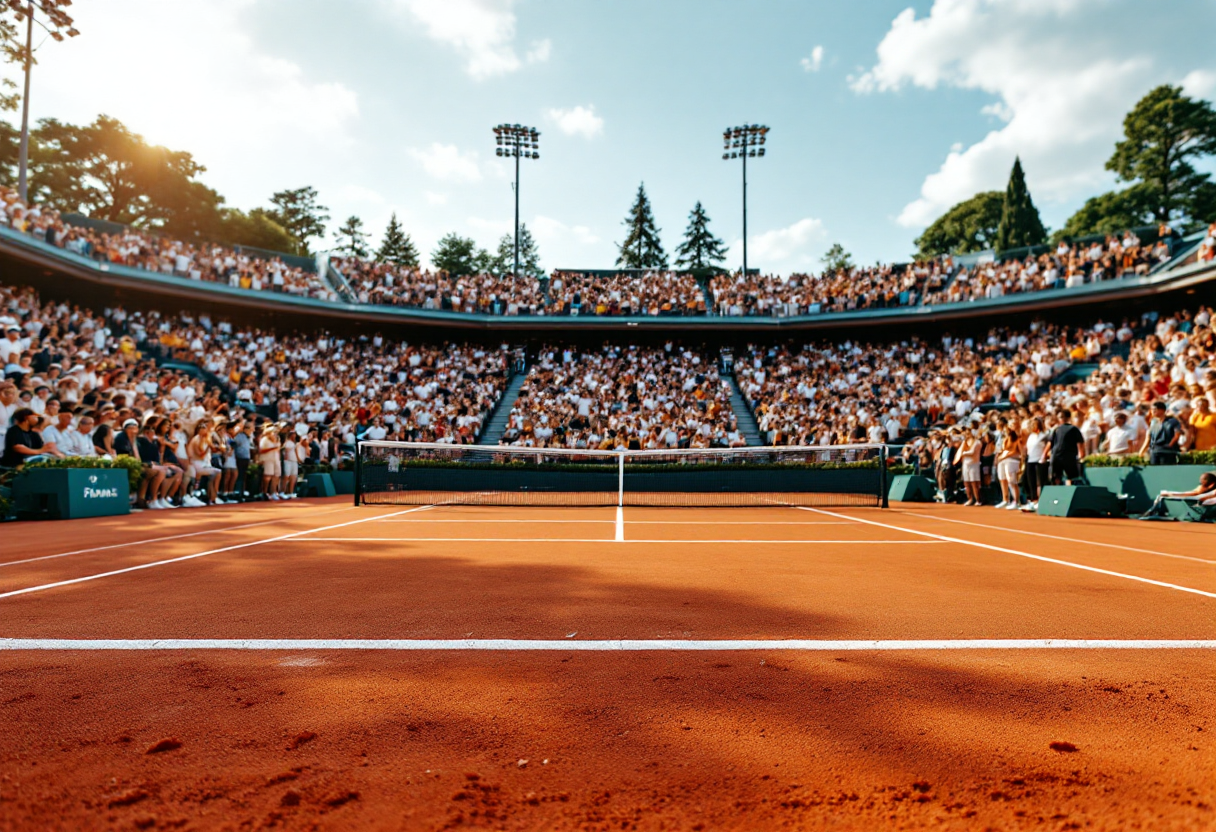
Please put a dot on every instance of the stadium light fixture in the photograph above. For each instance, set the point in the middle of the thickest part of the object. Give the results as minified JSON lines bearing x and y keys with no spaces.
{"x":518,"y":142}
{"x":740,"y":143}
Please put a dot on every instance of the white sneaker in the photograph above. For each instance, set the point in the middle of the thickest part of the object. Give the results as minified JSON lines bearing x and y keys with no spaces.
{"x":1011,"y":507}
{"x":193,"y":502}
{"x":156,"y":505}
{"x":1002,"y":504}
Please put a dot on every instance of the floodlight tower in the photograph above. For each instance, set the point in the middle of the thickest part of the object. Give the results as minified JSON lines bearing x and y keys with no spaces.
{"x":520,"y":142}
{"x":743,"y":141}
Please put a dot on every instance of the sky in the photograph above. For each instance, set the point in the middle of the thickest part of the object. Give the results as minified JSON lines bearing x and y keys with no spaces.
{"x":883,"y":114}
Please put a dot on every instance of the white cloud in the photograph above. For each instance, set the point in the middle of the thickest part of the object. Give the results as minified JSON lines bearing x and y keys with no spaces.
{"x":436,"y":198}
{"x":813,"y":63}
{"x":539,"y":51}
{"x":1201,"y":83}
{"x":577,"y":121}
{"x":551,"y":232}
{"x":481,"y":31}
{"x":1062,"y":98}
{"x":209,"y":88}
{"x":792,"y":248}
{"x":446,"y":162}
{"x":361,"y":194}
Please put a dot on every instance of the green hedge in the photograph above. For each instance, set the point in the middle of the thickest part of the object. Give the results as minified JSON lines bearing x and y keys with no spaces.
{"x":134,"y":468}
{"x":635,"y":468}
{"x":1187,"y":458}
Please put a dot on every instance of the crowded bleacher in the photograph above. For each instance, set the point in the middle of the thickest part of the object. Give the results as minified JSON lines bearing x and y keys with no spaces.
{"x":628,"y":397}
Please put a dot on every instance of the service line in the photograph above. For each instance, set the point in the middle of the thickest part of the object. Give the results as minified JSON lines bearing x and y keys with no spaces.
{"x":1020,"y":554}
{"x":140,"y":566}
{"x":619,"y":645}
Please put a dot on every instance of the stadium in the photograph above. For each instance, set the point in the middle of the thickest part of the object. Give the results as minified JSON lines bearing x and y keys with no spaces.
{"x":517,"y":515}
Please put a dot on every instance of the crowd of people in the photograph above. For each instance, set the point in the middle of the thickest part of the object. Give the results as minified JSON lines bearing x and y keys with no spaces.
{"x":485,"y":294}
{"x":79,"y":383}
{"x":1066,"y":267}
{"x":629,"y":397}
{"x":155,"y":253}
{"x":625,"y":293}
{"x":876,"y":287}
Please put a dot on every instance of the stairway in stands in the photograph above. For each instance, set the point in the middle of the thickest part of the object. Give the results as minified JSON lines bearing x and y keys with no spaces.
{"x":743,"y":413}
{"x":496,"y":425}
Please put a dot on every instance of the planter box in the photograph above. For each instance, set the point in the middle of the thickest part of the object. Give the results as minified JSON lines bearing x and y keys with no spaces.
{"x":71,"y":493}
{"x":344,"y":481}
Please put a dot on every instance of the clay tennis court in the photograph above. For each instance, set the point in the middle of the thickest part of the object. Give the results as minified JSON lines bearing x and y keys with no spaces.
{"x":317,"y":665}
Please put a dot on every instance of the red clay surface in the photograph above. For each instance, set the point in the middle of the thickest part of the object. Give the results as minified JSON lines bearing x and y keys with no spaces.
{"x":710,"y":740}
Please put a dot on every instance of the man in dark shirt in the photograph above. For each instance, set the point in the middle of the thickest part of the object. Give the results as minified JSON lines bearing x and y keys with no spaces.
{"x":1067,"y":448}
{"x":1164,"y":439}
{"x":21,"y":442}
{"x":124,"y":440}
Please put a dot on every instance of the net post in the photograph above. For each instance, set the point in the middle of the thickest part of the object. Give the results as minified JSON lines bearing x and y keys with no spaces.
{"x":620,"y":480}
{"x":358,"y":473}
{"x":882,"y":474}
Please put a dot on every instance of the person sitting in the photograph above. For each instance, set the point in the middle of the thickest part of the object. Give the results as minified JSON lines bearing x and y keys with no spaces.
{"x":22,"y":442}
{"x":1203,"y":494}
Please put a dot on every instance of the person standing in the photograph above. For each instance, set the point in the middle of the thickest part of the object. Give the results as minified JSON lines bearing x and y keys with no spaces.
{"x":269,"y":456}
{"x":1067,"y":447}
{"x":1008,"y":467}
{"x":968,"y":455}
{"x":242,"y":451}
{"x":1164,"y":441}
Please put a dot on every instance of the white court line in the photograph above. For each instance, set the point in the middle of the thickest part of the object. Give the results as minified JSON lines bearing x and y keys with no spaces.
{"x":1042,"y":558}
{"x":137,"y":567}
{"x":1067,"y":539}
{"x":585,"y":540}
{"x":622,"y":645}
{"x":620,"y":524}
{"x":160,"y":539}
{"x":428,"y":520}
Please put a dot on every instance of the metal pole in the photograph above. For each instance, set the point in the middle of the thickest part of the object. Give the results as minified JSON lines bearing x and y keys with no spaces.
{"x":744,"y":155}
{"x":23,"y":163}
{"x":620,"y":493}
{"x":882,"y":475}
{"x":358,"y":473}
{"x":516,"y":273}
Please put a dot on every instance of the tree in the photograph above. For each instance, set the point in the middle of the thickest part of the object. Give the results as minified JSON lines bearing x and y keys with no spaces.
{"x":837,"y":259}
{"x":1109,"y":213}
{"x":255,"y":228}
{"x":104,"y":170}
{"x":352,"y":239}
{"x":701,"y":251}
{"x":397,"y":247}
{"x":458,"y":255}
{"x":1020,"y":224}
{"x":1163,"y":134}
{"x":642,"y":248}
{"x":503,"y":261}
{"x":299,"y":213}
{"x":970,"y":225}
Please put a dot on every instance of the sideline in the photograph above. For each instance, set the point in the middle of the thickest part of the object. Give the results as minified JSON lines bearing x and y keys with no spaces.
{"x":162,"y":539}
{"x":1066,"y":539}
{"x":1003,"y":550}
{"x":140,"y":566}
{"x":623,"y":645}
{"x":590,"y":540}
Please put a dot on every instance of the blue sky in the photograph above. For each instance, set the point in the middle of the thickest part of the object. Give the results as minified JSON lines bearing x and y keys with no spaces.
{"x":883,"y":113}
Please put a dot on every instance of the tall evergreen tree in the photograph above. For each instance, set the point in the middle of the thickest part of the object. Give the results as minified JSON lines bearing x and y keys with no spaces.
{"x":503,"y":261}
{"x":352,"y":239}
{"x":397,"y":247}
{"x":836,"y":259}
{"x":299,"y":213}
{"x":969,"y":226}
{"x":458,"y":255}
{"x":701,"y":250}
{"x":1020,"y":224}
{"x":642,"y":248}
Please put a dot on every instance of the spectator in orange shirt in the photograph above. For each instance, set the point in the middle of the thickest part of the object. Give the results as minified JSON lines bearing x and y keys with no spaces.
{"x":1203,"y":426}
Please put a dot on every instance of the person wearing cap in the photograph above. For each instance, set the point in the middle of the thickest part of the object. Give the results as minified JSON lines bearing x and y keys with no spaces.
{"x":269,"y":458}
{"x":124,"y":443}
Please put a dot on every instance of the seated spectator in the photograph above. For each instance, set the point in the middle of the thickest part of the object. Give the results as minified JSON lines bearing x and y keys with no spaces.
{"x":22,"y":442}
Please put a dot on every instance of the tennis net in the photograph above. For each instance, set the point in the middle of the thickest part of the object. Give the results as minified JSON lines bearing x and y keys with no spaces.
{"x":413,"y":473}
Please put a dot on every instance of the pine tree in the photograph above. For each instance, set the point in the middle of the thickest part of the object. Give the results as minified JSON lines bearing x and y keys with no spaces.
{"x":397,"y":247}
{"x":701,"y":250}
{"x":642,"y":248}
{"x":352,"y":239}
{"x":1020,"y":224}
{"x":529,"y":257}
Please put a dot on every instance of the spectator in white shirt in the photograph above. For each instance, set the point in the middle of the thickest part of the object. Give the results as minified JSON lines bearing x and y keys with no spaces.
{"x":1119,"y":437}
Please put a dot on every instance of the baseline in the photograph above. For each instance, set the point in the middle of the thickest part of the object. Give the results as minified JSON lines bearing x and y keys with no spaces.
{"x":1003,"y":550}
{"x":626,"y":645}
{"x":589,"y":540}
{"x":246,"y":545}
